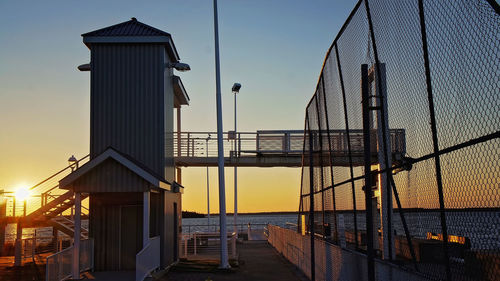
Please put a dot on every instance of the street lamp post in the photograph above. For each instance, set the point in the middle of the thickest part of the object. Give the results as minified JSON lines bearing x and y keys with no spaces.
{"x":208,"y":188}
{"x":236,"y":89}
{"x":224,"y":262}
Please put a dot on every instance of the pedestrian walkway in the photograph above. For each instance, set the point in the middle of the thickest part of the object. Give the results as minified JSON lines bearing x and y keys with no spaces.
{"x":256,"y":235}
{"x":257,"y":261}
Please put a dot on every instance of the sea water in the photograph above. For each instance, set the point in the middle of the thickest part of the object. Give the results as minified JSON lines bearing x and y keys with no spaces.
{"x":481,"y":227}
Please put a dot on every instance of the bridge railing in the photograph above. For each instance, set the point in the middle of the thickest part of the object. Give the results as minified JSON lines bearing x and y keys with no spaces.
{"x":204,"y":144}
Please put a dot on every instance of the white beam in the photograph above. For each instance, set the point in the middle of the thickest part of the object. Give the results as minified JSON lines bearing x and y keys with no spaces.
{"x":224,"y":261}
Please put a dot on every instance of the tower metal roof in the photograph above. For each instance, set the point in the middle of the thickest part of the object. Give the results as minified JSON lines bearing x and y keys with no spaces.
{"x":132,"y":31}
{"x":132,"y":27}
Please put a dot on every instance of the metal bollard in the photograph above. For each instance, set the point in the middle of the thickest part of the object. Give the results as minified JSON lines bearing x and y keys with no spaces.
{"x":195,"y":244}
{"x":234,"y":245}
{"x":185,"y":246}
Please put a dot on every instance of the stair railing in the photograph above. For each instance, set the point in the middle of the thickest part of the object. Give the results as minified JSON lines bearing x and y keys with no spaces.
{"x":48,"y":188}
{"x":71,"y":222}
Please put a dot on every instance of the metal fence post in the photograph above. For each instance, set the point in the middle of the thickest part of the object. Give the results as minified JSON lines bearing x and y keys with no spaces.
{"x":349,"y":151}
{"x":435,"y":143}
{"x":334,"y":207}
{"x":367,"y":164}
{"x":311,"y":203}
{"x":320,"y":164}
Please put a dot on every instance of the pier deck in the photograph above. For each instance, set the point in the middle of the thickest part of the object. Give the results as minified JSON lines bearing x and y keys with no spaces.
{"x":258,"y":261}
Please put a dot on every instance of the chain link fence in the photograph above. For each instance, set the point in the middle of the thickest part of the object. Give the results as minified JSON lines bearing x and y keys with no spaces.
{"x":428,"y":200}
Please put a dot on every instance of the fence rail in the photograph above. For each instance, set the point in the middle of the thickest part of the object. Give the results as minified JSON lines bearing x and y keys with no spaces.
{"x":430,"y":69}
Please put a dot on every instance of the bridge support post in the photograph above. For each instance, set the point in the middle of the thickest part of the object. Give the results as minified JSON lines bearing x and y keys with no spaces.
{"x":75,"y":270}
{"x":18,"y":244}
{"x":3,"y":214}
{"x":55,"y":239}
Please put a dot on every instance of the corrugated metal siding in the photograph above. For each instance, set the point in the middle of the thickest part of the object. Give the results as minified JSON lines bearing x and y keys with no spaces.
{"x":127,"y":101}
{"x":169,"y":122}
{"x":110,"y":176}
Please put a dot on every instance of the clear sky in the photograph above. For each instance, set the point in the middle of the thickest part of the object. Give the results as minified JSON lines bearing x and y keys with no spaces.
{"x":274,"y":48}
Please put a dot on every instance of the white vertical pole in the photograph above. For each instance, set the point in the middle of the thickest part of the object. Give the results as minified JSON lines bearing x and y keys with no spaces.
{"x":208,"y":191}
{"x":235,"y":215}
{"x":76,"y":237}
{"x":220,"y":150}
{"x":145,"y":219}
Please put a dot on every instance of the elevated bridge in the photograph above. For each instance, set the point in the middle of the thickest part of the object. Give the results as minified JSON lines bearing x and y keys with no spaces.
{"x":276,"y":148}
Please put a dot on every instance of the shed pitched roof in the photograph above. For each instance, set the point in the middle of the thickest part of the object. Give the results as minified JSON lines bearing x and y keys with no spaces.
{"x":122,"y":159}
{"x":132,"y":27}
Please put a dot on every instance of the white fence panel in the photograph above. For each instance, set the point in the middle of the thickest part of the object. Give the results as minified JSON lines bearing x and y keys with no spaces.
{"x":206,"y":245}
{"x":59,"y":264}
{"x":148,"y":259}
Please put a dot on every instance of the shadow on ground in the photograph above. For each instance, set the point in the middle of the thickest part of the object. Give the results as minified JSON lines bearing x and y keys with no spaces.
{"x":257,"y":261}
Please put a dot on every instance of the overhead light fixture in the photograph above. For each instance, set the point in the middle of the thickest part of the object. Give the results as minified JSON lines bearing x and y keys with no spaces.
{"x":84,"y":67}
{"x":179,"y":66}
{"x":236,"y":87}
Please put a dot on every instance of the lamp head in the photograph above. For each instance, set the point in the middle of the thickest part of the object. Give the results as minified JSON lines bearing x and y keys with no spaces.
{"x":73,"y":162}
{"x":236,"y":87}
{"x":179,"y":66}
{"x":72,"y":159}
{"x":84,"y":67}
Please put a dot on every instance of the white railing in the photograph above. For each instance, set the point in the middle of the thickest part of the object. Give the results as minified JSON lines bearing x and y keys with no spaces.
{"x":59,"y":264}
{"x":206,"y":245}
{"x":204,"y":228}
{"x":148,"y":259}
{"x":198,"y":144}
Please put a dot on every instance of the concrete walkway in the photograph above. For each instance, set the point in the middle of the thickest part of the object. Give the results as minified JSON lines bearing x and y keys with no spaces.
{"x":258,"y":261}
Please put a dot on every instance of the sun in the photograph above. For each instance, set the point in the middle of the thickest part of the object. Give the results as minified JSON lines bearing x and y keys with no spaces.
{"x":22,"y":193}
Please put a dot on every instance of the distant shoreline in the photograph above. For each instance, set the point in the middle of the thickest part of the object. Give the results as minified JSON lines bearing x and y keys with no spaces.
{"x":188,"y":214}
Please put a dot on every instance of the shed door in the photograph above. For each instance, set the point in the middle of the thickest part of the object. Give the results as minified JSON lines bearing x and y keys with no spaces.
{"x":130,"y":235}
